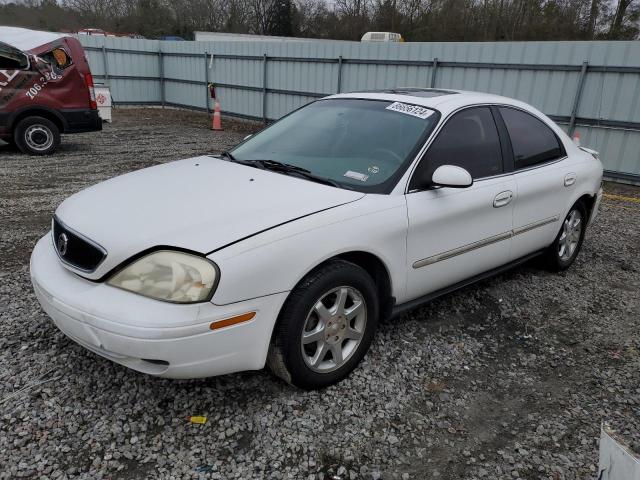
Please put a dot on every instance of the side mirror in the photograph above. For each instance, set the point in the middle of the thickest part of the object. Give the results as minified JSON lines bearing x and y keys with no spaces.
{"x":451,"y":176}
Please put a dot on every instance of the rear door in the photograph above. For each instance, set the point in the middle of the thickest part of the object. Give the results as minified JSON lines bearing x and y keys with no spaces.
{"x":63,"y":86}
{"x":456,"y":233}
{"x":544,"y":180}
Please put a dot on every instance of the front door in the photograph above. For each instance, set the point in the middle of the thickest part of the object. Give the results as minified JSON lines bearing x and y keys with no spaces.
{"x":456,"y":233}
{"x":14,"y":75}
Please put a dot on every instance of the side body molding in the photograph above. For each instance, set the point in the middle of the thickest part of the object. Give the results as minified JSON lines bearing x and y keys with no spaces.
{"x":483,"y":243}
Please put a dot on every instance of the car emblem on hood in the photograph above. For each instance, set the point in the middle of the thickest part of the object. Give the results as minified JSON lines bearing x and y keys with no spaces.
{"x":62,"y":244}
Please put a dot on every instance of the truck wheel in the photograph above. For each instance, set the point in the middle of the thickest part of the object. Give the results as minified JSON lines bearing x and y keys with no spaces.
{"x":325,"y":327}
{"x":36,"y":136}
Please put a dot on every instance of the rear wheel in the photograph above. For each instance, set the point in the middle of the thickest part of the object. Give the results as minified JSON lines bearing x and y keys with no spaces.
{"x":564,"y":250}
{"x":36,"y":136}
{"x":326,"y":326}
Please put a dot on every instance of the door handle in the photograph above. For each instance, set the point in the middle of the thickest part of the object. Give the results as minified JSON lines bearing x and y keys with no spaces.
{"x":502,"y":199}
{"x":569,"y":179}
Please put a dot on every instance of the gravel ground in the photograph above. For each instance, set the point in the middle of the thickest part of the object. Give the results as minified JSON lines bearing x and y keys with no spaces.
{"x":509,"y":378}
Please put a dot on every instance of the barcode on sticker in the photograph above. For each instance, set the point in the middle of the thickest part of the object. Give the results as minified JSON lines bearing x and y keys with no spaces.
{"x":414,"y":110}
{"x":356,"y":176}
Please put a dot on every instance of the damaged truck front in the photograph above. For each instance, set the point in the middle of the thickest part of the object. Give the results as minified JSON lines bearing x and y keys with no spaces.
{"x":46,"y":89}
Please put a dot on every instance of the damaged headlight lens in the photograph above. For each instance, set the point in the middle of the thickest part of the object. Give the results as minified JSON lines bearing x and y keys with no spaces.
{"x":169,"y":276}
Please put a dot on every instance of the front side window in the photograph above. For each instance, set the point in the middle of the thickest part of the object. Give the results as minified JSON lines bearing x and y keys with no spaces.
{"x":359,"y":144}
{"x":469,"y":140}
{"x":11,"y":58}
{"x":533,"y":142}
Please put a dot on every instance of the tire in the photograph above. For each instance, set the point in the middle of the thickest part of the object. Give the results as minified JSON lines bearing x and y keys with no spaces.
{"x":565,"y":248}
{"x":36,"y":136}
{"x":348,"y":331}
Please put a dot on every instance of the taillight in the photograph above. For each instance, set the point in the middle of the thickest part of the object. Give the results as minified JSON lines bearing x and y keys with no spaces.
{"x":88,"y":79}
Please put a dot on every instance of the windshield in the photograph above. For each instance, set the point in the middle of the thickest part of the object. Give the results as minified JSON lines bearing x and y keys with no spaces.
{"x":359,"y":144}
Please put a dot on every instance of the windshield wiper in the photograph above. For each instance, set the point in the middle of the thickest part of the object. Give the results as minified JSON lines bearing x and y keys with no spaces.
{"x":276,"y":166}
{"x":229,"y":156}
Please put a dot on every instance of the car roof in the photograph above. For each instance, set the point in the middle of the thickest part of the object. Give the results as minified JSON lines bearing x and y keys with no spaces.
{"x":444,"y":100}
{"x":447,"y":101}
{"x":25,"y":39}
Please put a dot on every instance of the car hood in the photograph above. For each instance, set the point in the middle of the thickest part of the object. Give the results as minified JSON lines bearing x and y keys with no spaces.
{"x":200,"y":204}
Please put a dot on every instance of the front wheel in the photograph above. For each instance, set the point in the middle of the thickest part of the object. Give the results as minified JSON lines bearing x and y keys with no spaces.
{"x":564,"y":250}
{"x":326,"y":326}
{"x":36,"y":136}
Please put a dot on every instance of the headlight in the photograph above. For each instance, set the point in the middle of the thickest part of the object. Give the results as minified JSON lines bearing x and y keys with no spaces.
{"x":169,"y":276}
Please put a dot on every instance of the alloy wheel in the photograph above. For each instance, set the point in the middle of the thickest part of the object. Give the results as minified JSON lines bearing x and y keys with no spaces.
{"x":333,"y":329}
{"x":570,"y":235}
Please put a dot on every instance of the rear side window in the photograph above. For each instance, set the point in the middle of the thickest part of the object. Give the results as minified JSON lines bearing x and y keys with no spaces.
{"x":58,"y":58}
{"x":468,"y":140}
{"x":533,"y":142}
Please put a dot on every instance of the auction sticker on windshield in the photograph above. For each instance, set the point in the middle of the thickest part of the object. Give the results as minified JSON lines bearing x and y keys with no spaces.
{"x":356,"y":176}
{"x":414,"y":110}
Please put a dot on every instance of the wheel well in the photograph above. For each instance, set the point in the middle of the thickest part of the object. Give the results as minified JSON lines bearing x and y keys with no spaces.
{"x":378,"y":272}
{"x":38,"y":113}
{"x":588,"y":201}
{"x":375,"y":268}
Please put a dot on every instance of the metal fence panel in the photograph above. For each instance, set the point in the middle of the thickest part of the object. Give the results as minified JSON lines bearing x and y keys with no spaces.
{"x":621,"y":147}
{"x":265,"y":80}
{"x":245,"y":103}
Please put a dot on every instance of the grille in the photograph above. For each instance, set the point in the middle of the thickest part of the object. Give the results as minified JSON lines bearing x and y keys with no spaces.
{"x":76,"y":250}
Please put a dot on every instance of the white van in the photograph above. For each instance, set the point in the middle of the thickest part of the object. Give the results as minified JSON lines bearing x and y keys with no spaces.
{"x":382,"y":37}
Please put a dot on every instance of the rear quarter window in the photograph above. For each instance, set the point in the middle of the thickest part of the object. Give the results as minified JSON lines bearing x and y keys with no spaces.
{"x":533,"y":142}
{"x":59,"y":59}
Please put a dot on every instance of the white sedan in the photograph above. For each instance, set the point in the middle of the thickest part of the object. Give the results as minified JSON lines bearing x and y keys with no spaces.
{"x":290,"y":248}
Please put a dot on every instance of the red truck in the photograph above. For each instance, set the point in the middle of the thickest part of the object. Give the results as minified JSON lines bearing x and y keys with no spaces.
{"x":46,"y":89}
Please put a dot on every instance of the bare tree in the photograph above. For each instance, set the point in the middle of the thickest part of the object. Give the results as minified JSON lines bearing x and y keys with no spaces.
{"x":262,"y":15}
{"x":619,"y":18}
{"x":355,"y":15}
{"x":416,"y":20}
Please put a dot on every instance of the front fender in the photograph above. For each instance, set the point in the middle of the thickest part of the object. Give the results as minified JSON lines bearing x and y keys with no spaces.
{"x":276,"y":260}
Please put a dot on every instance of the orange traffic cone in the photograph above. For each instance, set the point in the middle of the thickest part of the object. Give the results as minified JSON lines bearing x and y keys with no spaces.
{"x":216,"y":124}
{"x":576,"y":138}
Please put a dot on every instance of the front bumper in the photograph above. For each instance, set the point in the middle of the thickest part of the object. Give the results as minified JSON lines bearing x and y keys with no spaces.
{"x":150,"y":336}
